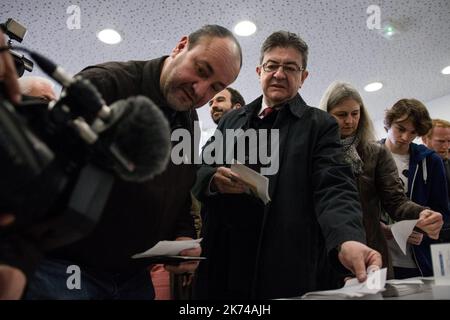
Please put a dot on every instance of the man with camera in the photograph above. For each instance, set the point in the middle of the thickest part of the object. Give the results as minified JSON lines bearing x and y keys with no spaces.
{"x":8,"y":73}
{"x":12,"y":280}
{"x":138,"y":215}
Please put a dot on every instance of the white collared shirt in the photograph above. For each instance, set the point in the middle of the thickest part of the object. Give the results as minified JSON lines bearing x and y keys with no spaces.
{"x":263,"y":107}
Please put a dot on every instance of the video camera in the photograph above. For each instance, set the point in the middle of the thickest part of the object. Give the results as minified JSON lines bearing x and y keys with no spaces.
{"x":58,"y":161}
{"x":15,"y":31}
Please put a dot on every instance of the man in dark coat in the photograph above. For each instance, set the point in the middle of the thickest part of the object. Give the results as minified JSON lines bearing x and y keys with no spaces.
{"x":314,"y":218}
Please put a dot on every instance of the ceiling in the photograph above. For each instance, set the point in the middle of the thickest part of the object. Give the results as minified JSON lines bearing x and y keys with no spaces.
{"x":342,"y":47}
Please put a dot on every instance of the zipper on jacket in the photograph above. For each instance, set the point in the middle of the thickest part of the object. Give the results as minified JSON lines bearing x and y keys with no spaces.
{"x":424,"y":170}
{"x":414,"y":181}
{"x":410,"y":197}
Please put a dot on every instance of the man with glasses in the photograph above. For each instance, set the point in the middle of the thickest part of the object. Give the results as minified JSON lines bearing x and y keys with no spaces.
{"x":281,"y":249}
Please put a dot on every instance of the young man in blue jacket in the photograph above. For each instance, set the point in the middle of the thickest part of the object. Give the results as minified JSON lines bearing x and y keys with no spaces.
{"x":423,"y":175}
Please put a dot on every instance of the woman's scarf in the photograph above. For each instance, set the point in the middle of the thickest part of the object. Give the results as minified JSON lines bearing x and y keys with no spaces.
{"x":351,"y":156}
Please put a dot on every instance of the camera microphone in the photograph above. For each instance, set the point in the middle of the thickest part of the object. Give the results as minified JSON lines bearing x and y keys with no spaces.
{"x":59,"y":161}
{"x":138,"y":136}
{"x":53,"y":70}
{"x":131,"y":136}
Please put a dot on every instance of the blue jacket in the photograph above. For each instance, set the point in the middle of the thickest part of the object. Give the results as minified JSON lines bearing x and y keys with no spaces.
{"x":427,"y":186}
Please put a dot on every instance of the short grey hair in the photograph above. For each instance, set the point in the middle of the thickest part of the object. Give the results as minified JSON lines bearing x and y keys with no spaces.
{"x":26,"y":84}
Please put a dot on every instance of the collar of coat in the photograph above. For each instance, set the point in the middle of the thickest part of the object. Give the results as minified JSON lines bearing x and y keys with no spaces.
{"x":296,"y":106}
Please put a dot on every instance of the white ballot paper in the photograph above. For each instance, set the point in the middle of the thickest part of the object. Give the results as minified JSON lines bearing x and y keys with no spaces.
{"x":440,"y":257}
{"x":353,"y":289}
{"x":168,"y":248}
{"x":401,"y":231}
{"x":404,"y":287}
{"x":258,"y":184}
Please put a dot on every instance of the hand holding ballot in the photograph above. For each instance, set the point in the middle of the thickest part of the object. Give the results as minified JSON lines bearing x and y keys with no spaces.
{"x":241,"y":179}
{"x":257,"y":184}
{"x":431,"y":222}
{"x":189,"y":266}
{"x":403,"y":232}
{"x":357,"y":258}
{"x":184,"y":252}
{"x":354,"y":289}
{"x":225,"y":181}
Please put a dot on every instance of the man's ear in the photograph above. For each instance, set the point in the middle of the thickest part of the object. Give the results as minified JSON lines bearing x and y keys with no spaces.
{"x":305,"y":75}
{"x":181,"y":45}
{"x":258,"y":71}
{"x":237,"y":106}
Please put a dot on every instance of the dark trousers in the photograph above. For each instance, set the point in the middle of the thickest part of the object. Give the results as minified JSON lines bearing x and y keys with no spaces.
{"x":53,"y":280}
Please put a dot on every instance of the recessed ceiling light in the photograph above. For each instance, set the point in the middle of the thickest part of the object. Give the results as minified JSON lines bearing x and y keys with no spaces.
{"x":390,"y":29}
{"x":446,"y":70}
{"x":109,"y":36}
{"x":372,"y":87}
{"x":245,"y":28}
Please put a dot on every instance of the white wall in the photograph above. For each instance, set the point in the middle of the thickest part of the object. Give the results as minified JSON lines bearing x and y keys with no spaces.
{"x":438,"y":108}
{"x":379,"y":129}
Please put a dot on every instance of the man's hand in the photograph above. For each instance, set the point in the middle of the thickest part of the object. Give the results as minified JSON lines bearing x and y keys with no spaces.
{"x":6,"y":219}
{"x":12,"y":283}
{"x":185,"y":267}
{"x":431,"y":222}
{"x":358,"y":257}
{"x":225,"y":181}
{"x":12,"y":280}
{"x":8,"y":73}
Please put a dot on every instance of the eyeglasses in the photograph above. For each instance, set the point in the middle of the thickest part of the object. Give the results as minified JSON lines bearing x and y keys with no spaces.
{"x":287,"y":68}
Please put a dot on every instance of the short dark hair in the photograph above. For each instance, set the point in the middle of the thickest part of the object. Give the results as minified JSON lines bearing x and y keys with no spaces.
{"x":214,"y":31}
{"x":236,"y":97}
{"x":285,"y":39}
{"x":409,"y":109}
